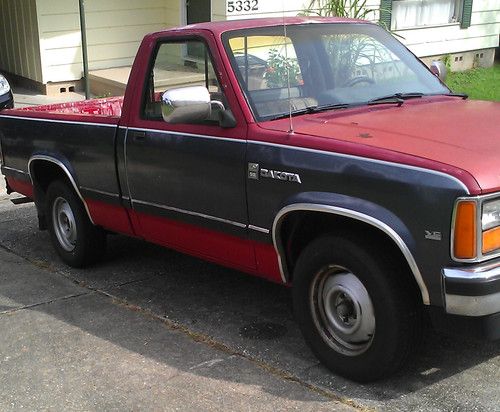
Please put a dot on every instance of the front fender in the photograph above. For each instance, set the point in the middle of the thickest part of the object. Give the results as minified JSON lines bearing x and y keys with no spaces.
{"x":352,"y":208}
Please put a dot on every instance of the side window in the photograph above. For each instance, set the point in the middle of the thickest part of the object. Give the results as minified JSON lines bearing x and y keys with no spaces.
{"x":175,"y":66}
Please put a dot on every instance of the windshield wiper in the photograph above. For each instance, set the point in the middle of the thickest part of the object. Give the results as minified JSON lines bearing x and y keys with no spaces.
{"x":463,"y":96}
{"x":334,"y":106}
{"x":386,"y":100}
{"x":411,"y":95}
{"x":312,"y":109}
{"x":396,"y":98}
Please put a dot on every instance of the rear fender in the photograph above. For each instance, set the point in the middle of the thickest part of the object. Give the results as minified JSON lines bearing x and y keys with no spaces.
{"x":65,"y":167}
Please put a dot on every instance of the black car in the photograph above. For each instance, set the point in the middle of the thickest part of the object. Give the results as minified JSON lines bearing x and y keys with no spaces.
{"x":6,"y":97}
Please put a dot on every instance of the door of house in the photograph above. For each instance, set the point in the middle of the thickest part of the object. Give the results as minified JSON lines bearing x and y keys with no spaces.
{"x":197,"y":11}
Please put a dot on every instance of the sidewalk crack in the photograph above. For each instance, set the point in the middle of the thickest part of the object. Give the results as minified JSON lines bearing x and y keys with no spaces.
{"x":47,"y":302}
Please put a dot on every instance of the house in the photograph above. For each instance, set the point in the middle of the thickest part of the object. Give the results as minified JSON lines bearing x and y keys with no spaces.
{"x":40,"y":40}
{"x":465,"y":30}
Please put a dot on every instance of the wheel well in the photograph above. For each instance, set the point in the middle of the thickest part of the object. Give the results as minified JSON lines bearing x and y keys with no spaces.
{"x":300,"y":228}
{"x":43,"y":173}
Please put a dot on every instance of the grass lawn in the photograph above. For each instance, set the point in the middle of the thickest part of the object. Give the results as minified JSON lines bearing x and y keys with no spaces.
{"x":483,"y":84}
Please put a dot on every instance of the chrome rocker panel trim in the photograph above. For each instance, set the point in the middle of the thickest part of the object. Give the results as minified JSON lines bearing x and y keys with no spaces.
{"x":191,"y":213}
{"x":353,"y":215}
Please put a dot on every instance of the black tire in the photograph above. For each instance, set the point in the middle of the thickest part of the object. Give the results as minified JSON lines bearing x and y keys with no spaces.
{"x":356,"y":308}
{"x":77,"y":241}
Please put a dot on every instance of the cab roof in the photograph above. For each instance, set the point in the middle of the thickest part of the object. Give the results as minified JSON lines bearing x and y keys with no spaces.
{"x":219,"y":27}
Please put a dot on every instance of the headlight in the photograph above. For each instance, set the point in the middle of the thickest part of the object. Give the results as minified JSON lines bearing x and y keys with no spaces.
{"x":4,"y":85}
{"x":476,"y":229}
{"x":491,"y":214}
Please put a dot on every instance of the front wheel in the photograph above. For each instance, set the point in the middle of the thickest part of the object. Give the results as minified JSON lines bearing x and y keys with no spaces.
{"x":77,"y":241}
{"x":357,"y":310}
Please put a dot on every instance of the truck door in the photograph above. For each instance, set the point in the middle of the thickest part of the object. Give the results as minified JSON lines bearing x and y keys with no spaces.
{"x":186,"y":181}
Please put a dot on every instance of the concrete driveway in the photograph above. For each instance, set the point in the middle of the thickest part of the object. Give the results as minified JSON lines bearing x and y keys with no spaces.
{"x":25,"y":97}
{"x":151,"y":329}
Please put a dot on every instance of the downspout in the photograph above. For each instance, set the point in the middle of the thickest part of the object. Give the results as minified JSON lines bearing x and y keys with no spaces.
{"x":83,"y":30}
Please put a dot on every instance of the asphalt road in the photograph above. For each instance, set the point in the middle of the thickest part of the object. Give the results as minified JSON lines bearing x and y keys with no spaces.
{"x":151,"y":329}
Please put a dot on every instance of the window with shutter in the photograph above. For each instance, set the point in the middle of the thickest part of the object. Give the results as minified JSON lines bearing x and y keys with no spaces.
{"x":466,"y":14}
{"x":417,"y":13}
{"x":386,"y":13}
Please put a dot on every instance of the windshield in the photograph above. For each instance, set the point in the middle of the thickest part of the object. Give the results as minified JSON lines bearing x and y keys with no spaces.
{"x":323,"y":65}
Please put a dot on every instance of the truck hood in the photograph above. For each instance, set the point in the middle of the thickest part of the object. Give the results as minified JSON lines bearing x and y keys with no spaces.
{"x":463,"y":134}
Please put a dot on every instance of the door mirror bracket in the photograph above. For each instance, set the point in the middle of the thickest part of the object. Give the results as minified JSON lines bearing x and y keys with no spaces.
{"x":226,"y":119}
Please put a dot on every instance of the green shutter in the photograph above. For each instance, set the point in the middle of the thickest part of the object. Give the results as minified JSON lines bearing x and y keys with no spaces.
{"x":386,"y":13}
{"x":466,"y":14}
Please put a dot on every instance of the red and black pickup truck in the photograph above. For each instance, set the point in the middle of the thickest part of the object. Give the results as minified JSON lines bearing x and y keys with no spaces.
{"x":317,"y":153}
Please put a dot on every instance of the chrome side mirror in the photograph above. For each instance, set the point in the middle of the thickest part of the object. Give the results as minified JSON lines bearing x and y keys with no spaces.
{"x":439,"y":69}
{"x":186,"y":105}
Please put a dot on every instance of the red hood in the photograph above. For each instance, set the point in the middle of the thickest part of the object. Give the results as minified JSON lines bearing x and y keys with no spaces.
{"x":461,"y":134}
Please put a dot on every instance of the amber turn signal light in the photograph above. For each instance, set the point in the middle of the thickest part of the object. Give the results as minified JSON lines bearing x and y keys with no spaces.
{"x":491,"y":240}
{"x":465,"y":241}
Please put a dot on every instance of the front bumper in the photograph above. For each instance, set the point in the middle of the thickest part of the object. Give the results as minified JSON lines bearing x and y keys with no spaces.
{"x":472,"y":290}
{"x":472,"y":301}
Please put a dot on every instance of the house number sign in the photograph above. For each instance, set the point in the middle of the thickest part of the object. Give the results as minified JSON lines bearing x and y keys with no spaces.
{"x":242,"y":5}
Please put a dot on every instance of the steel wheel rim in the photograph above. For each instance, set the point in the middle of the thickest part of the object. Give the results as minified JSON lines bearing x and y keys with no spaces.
{"x":64,"y":224}
{"x":342,"y":310}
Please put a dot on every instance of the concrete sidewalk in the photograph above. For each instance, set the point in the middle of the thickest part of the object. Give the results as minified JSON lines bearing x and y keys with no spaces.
{"x":69,"y":346}
{"x":65,"y":347}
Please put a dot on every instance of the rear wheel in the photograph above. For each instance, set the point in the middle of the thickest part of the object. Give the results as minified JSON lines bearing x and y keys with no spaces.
{"x":356,"y":309}
{"x":77,"y":241}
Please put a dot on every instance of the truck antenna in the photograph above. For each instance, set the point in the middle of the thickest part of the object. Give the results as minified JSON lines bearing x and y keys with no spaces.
{"x":287,"y":65}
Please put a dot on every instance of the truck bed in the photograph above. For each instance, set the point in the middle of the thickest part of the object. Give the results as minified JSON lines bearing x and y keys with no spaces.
{"x":105,"y":107}
{"x":78,"y":135}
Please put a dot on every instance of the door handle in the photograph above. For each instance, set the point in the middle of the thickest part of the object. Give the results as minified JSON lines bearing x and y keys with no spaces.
{"x":138,"y":136}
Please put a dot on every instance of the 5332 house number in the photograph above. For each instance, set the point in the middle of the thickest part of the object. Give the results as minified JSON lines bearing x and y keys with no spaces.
{"x":242,"y":5}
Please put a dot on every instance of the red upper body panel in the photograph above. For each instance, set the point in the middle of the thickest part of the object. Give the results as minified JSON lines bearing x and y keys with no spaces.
{"x":462,"y":134}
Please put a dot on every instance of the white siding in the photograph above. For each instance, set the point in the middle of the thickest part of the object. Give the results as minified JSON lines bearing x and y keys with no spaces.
{"x":115,"y":29}
{"x":274,"y":8}
{"x":19,"y":52}
{"x":423,"y":41}
{"x":482,"y":34}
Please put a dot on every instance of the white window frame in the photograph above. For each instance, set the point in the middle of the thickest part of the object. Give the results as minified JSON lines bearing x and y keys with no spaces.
{"x":423,"y":13}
